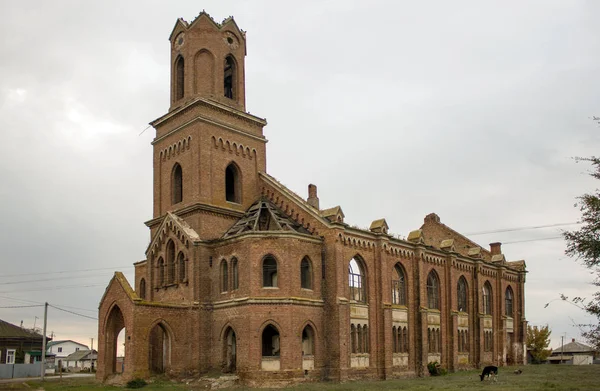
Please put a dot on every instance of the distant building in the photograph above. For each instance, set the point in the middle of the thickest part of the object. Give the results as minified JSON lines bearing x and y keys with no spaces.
{"x":574,"y":353}
{"x":82,"y":359}
{"x":16,"y":342}
{"x":64,"y":348}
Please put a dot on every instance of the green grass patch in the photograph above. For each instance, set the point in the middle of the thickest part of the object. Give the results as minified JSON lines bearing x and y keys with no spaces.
{"x":534,"y":377}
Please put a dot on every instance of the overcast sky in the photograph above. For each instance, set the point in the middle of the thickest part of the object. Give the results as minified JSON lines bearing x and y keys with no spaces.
{"x":472,"y":110}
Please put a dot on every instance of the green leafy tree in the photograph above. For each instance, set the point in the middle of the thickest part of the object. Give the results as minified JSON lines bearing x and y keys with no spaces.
{"x":538,"y":339}
{"x":584,"y":245}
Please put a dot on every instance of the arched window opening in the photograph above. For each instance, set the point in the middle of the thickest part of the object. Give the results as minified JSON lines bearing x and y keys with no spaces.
{"x":230,"y":351}
{"x":142,"y":288}
{"x":433,"y":291}
{"x":360,"y":345}
{"x":160,"y":349}
{"x":395,"y":340}
{"x":229,"y":78}
{"x":508,"y":302}
{"x":224,"y":276}
{"x":235,"y":280}
{"x":399,"y":286}
{"x":270,"y":341}
{"x":404,"y":340}
{"x":115,"y":341}
{"x":462,"y":295}
{"x":181,"y":265}
{"x":357,"y":281}
{"x":177,"y":181}
{"x":179,"y":78}
{"x":171,"y":262}
{"x":306,"y":274}
{"x":353,"y":338}
{"x":269,"y":272}
{"x":308,"y":341}
{"x":487,"y":299}
{"x":161,"y":272}
{"x":232,"y":184}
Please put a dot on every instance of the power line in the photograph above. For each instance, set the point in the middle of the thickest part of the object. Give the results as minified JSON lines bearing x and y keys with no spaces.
{"x":533,"y":240}
{"x":519,"y":229}
{"x":54,"y":288}
{"x":22,"y":306}
{"x":41,"y":304}
{"x":49,"y":279}
{"x":66,"y":271}
{"x":71,"y":312}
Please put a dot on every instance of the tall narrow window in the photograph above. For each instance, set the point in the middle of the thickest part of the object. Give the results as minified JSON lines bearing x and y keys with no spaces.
{"x":269,"y":272}
{"x":353,"y":338}
{"x":170,"y":262}
{"x":399,"y":286}
{"x":462,"y":295}
{"x":229,"y":78}
{"x":177,"y":184}
{"x":181,"y":266}
{"x":224,"y":276}
{"x":161,"y":272}
{"x":142,"y":288}
{"x":487,"y":298}
{"x":235,"y":280}
{"x":270,"y":341}
{"x":305,"y":274}
{"x":308,"y":341}
{"x":356,"y":281}
{"x":179,"y":78}
{"x":433,"y":291}
{"x":232,"y":184}
{"x":508,"y":302}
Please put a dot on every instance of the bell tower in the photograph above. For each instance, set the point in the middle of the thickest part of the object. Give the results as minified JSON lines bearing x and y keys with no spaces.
{"x":208,"y":150}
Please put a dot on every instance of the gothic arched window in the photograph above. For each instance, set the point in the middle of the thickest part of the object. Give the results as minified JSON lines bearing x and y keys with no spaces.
{"x":356,"y":277}
{"x":306,"y":273}
{"x":508,"y":302}
{"x":177,"y":184}
{"x":270,"y":341}
{"x":399,"y":286}
{"x":179,"y":78}
{"x":269,"y":272}
{"x":142,"y":288}
{"x":487,"y":298}
{"x":170,"y":262}
{"x":462,"y":295}
{"x":161,"y":272}
{"x":433,"y":291}
{"x":224,"y":276}
{"x":232,"y":184}
{"x":229,"y":78}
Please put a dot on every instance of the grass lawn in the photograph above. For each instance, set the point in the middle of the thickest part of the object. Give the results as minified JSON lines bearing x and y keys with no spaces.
{"x":534,"y":377}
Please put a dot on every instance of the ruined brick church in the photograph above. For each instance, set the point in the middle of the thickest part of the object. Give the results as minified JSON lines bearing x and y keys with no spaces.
{"x":244,"y":276}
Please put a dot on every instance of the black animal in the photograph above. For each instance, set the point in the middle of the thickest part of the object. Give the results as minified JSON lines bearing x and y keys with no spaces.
{"x":518,"y":371}
{"x":489,"y":371}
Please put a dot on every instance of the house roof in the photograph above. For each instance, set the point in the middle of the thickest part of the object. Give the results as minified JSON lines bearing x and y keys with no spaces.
{"x":50,"y":344}
{"x":9,"y":330}
{"x":573,"y":347}
{"x":263,"y":215}
{"x":81,"y":355}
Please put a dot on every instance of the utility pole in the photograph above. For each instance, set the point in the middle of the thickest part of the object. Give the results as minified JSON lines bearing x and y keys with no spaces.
{"x":562,"y":345}
{"x":44,"y":341}
{"x":92,"y":347}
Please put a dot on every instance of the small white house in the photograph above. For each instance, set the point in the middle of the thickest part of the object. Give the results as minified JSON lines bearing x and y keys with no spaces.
{"x":64,"y":348}
{"x":574,"y":353}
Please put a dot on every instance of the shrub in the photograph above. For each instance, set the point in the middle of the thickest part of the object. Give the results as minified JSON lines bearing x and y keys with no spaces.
{"x":136,"y":383}
{"x":435,"y":369}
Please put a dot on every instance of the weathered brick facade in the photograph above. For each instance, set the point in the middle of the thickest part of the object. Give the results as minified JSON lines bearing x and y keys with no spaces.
{"x":243,"y":275}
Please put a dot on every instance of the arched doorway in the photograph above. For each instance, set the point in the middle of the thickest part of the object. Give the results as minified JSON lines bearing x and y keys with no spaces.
{"x":230,"y":351}
{"x":115,"y":342}
{"x":159,"y":350}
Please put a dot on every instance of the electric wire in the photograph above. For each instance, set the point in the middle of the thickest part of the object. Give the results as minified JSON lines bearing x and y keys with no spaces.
{"x":72,"y":312}
{"x":519,"y":229}
{"x":22,"y":306}
{"x":67,"y":271}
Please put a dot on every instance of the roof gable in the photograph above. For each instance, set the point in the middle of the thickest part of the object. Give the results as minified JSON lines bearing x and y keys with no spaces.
{"x":173,"y":224}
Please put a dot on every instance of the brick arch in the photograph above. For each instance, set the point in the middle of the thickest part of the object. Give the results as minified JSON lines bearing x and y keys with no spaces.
{"x":204,"y":70}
